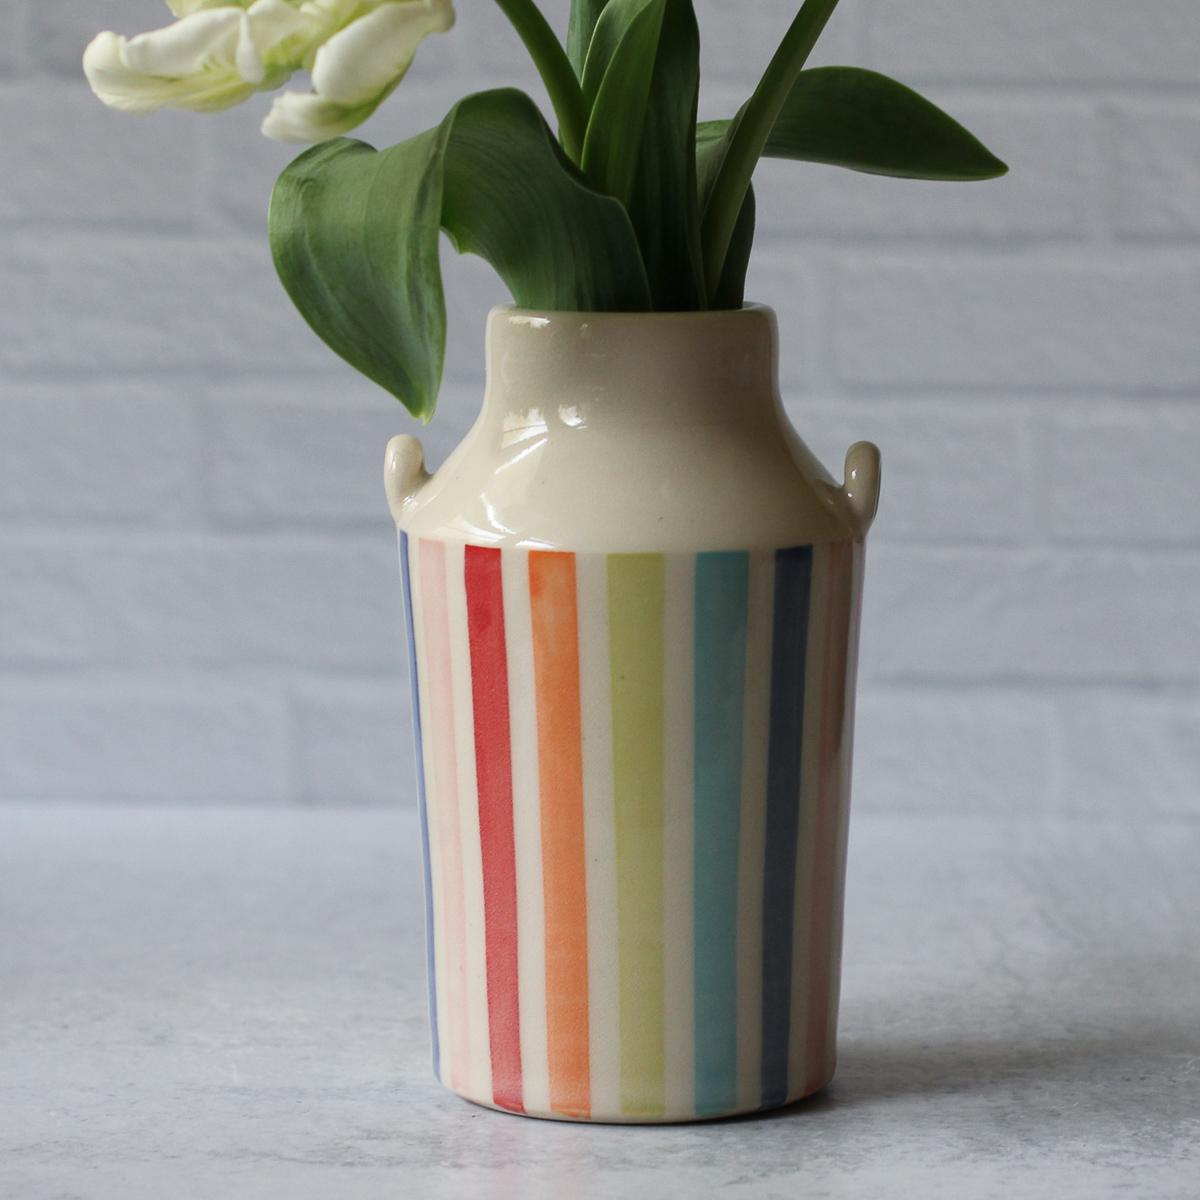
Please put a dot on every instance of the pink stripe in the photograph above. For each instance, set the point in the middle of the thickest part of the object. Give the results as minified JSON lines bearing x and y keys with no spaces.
{"x":493,"y":773}
{"x":443,"y":798}
{"x":827,"y":870}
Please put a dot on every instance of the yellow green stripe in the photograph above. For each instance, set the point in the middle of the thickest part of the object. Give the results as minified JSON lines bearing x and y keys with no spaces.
{"x":635,"y":633}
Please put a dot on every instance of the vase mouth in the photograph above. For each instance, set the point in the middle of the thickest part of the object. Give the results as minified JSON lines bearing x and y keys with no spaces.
{"x":656,"y":366}
{"x":748,"y":311}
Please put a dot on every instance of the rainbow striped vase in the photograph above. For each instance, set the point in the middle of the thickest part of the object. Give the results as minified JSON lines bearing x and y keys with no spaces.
{"x":632,"y":600}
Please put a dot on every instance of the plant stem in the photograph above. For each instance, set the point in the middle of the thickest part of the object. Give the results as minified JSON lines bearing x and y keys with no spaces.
{"x":750,"y":133}
{"x":555,"y":69}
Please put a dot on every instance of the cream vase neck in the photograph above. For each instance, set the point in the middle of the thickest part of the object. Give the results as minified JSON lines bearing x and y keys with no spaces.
{"x":628,"y":432}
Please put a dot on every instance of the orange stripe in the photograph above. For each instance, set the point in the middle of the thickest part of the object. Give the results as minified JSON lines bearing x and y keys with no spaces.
{"x":564,"y":863}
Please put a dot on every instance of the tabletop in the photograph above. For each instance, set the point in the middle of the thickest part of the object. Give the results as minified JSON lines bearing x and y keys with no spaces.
{"x":204,"y":1003}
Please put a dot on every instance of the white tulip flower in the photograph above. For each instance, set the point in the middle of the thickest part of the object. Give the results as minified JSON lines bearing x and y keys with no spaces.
{"x":220,"y":52}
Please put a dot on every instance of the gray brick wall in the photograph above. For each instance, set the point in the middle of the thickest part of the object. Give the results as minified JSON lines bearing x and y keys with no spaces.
{"x":198,"y":592}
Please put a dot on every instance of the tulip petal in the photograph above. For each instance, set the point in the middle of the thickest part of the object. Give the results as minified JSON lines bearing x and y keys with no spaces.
{"x":132,"y":92}
{"x":375,"y":51}
{"x":220,"y":52}
{"x":184,"y":8}
{"x":274,"y":21}
{"x":310,"y":117}
{"x":247,"y":58}
{"x":337,"y":13}
{"x":115,"y":83}
{"x":182,"y":48}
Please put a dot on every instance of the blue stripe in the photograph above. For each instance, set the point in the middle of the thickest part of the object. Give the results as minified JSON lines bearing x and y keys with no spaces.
{"x":789,"y":646}
{"x":416,"y":712}
{"x":722,"y":588}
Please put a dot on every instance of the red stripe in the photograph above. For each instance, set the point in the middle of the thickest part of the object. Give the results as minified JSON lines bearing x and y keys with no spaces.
{"x":493,"y":771}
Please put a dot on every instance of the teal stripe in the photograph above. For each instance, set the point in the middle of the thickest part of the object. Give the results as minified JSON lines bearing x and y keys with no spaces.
{"x":722,"y":589}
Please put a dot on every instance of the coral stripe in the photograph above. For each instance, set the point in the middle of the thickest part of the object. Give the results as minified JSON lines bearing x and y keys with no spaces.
{"x":493,"y":769}
{"x":554,"y":612}
{"x":432,"y":560}
{"x":830,"y":798}
{"x":635,"y":637}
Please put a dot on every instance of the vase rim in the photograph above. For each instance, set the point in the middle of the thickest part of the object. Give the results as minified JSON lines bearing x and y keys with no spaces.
{"x":690,"y":315}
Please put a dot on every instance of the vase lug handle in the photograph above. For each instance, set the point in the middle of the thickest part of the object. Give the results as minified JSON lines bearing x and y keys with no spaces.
{"x":404,"y":472}
{"x":861,"y":488}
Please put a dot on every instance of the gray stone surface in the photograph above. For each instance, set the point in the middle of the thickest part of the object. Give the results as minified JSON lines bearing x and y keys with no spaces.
{"x":192,"y":530}
{"x":213,"y":1003}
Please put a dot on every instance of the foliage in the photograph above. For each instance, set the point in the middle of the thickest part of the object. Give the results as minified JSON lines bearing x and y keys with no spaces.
{"x":634,"y":206}
{"x":355,"y":236}
{"x":658,"y":213}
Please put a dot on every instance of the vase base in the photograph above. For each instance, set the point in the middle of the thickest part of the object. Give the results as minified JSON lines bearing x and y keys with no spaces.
{"x":679,"y":1117}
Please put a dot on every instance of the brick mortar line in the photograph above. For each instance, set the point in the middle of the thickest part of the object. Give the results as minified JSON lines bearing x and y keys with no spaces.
{"x":154,"y":540}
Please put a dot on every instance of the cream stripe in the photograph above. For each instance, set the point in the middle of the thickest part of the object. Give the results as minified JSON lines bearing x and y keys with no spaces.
{"x":480,"y":1069}
{"x":599,"y":834}
{"x":679,"y":612}
{"x":814,"y":703}
{"x":445,"y":809}
{"x":839,"y":893}
{"x":527,"y":831}
{"x":756,"y":726}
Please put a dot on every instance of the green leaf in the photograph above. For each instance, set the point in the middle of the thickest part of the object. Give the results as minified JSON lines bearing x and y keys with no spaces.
{"x":584,"y":15}
{"x":731,"y":290}
{"x":553,"y":65}
{"x":355,"y":236}
{"x":712,"y":139}
{"x":664,"y":206}
{"x":642,"y":78}
{"x":852,"y":118}
{"x":616,"y":83}
{"x":514,"y":198}
{"x":748,"y":136}
{"x":860,"y":119}
{"x":612,"y":22}
{"x":711,"y":143}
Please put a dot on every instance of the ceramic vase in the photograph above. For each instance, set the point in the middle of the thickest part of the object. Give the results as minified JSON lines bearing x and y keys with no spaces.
{"x":632,"y":598}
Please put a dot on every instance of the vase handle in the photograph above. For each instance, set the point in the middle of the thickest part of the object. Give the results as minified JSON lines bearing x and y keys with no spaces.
{"x":861,"y":488}
{"x":404,"y":472}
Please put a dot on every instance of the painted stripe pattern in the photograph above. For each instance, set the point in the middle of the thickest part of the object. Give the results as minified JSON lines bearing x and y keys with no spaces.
{"x":634,"y":776}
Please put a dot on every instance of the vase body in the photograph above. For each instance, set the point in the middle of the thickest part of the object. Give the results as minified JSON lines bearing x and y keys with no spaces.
{"x":632,"y":600}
